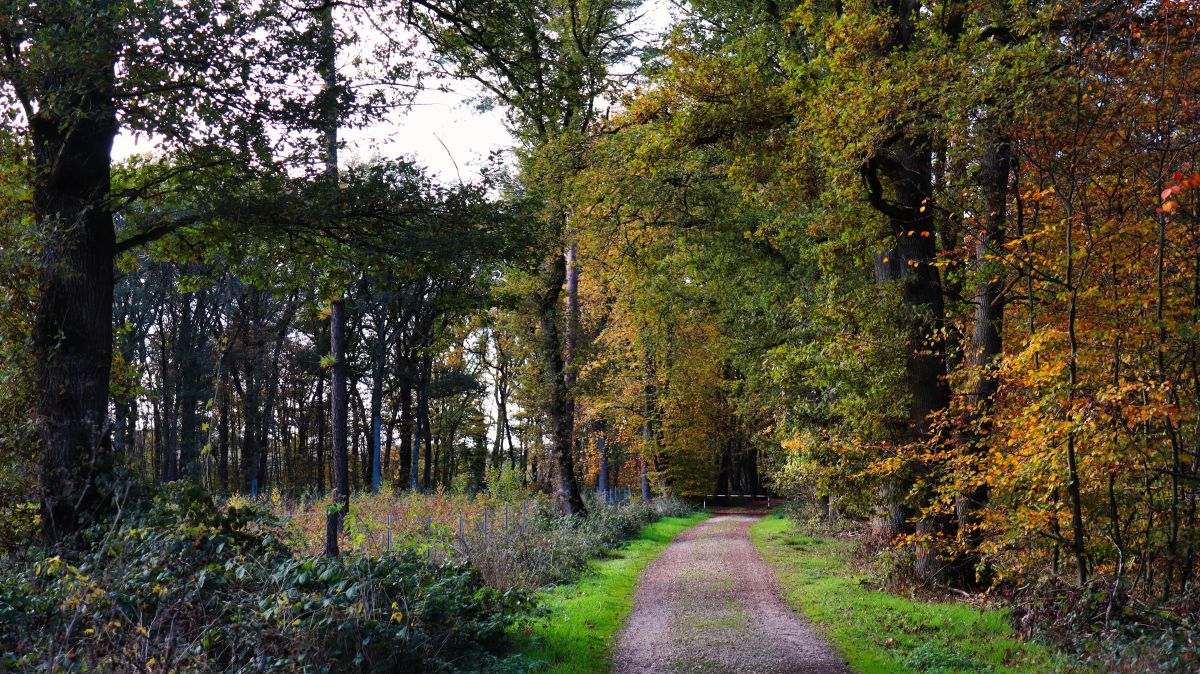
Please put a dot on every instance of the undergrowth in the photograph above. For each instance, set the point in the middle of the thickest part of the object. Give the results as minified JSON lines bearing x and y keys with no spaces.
{"x":577,"y":631}
{"x":881,"y":632}
{"x":1102,"y":624}
{"x":1110,"y":628}
{"x":179,"y":584}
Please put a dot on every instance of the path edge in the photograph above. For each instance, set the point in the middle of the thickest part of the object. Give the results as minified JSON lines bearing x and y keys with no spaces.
{"x":549,"y":640}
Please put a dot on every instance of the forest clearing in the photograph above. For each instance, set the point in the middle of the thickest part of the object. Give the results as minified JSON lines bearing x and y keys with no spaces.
{"x":599,"y":336}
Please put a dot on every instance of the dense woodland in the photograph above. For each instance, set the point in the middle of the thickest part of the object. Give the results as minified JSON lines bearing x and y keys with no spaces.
{"x":929,"y":266}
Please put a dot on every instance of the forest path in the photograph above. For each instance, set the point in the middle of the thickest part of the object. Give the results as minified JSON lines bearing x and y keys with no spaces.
{"x":710,"y":604}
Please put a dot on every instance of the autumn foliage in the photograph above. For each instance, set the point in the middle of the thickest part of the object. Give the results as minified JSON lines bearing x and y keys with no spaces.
{"x":750,"y":186}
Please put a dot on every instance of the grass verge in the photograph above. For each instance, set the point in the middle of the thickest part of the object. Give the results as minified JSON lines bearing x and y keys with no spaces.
{"x":882,"y":633}
{"x":576,"y":635}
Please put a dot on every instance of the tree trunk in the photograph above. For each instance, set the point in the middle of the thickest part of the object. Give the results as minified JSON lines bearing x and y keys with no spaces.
{"x":908,"y":168}
{"x":423,"y":428}
{"x":223,"y":434}
{"x":169,"y":376}
{"x":72,"y":332}
{"x":389,"y":438}
{"x":648,"y":435}
{"x":321,"y":432}
{"x":339,"y":405}
{"x":406,"y":423}
{"x":602,"y":452}
{"x":567,"y":497}
{"x":1073,"y":488}
{"x":644,"y":477}
{"x":192,"y":391}
{"x":377,"y":425}
{"x":986,"y":340}
{"x":501,"y":398}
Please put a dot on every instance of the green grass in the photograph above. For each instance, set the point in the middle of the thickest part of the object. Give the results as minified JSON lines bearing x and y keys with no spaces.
{"x":881,"y":633}
{"x":577,"y":634}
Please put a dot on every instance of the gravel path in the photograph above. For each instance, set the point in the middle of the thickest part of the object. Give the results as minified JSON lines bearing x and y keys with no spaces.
{"x":709,"y":604}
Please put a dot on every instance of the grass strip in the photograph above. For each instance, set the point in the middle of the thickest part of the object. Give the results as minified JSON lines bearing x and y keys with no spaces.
{"x":882,"y":633}
{"x":577,"y":633}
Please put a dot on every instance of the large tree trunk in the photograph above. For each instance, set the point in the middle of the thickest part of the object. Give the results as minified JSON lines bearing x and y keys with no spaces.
{"x":571,"y":343}
{"x":921,"y":291}
{"x":908,"y":167}
{"x":338,"y":403}
{"x":567,"y":497}
{"x":72,"y":334}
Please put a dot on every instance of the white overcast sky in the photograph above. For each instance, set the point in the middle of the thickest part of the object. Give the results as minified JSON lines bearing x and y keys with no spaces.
{"x":441,"y":129}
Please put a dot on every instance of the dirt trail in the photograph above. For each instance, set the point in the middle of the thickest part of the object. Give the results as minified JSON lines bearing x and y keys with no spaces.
{"x":709,"y":604}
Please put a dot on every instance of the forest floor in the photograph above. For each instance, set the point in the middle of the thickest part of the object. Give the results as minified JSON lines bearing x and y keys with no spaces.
{"x":709,"y":603}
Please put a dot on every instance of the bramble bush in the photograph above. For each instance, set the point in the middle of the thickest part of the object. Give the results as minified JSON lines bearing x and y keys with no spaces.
{"x":1109,"y":627}
{"x":179,"y":584}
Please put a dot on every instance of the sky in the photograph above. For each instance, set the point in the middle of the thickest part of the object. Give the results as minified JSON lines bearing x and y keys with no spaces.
{"x":442,"y":130}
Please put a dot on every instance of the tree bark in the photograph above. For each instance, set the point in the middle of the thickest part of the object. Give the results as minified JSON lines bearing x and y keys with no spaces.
{"x":223,"y":433}
{"x":72,"y":334}
{"x":339,"y":405}
{"x":987,"y":344}
{"x":376,"y":458}
{"x":423,"y":427}
{"x":194,"y":386}
{"x":602,"y":451}
{"x":321,"y":432}
{"x":406,"y":422}
{"x":567,"y":497}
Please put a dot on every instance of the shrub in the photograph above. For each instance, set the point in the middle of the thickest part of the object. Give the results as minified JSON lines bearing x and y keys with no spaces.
{"x":182,"y":585}
{"x":541,"y":548}
{"x":814,"y":519}
{"x":1111,"y":629}
{"x":503,"y":483}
